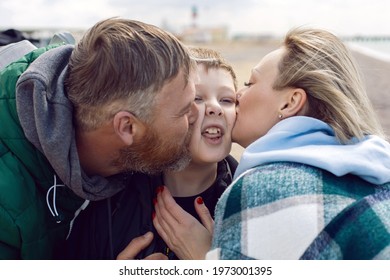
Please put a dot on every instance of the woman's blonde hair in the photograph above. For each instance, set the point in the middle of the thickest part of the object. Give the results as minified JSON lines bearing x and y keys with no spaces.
{"x":318,"y":62}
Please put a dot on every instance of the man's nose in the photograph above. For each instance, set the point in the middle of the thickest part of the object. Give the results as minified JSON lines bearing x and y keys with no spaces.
{"x":194,"y":112}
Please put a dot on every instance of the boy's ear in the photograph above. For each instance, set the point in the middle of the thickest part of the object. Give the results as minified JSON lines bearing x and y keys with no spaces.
{"x":295,"y":102}
{"x":127,"y":127}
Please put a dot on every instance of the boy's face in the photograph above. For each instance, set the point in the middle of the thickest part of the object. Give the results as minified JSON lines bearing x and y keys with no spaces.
{"x":215,"y":99}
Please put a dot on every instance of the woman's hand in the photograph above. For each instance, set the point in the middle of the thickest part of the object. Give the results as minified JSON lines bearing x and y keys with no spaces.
{"x":137,"y":245}
{"x":182,"y":232}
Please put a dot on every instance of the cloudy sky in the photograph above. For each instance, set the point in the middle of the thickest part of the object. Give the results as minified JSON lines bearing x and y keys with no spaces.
{"x":344,"y":17}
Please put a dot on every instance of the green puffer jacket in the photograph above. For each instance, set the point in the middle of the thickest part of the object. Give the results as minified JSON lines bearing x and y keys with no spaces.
{"x":27,"y":229}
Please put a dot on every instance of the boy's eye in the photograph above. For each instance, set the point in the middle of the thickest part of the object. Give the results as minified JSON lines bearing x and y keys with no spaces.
{"x":248,"y":84}
{"x":228,"y":100}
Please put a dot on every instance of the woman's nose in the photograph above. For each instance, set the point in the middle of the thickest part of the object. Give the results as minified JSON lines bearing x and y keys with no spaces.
{"x":240,"y":92}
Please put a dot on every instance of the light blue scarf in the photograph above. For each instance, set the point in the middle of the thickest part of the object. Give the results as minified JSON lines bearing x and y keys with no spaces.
{"x":313,"y":142}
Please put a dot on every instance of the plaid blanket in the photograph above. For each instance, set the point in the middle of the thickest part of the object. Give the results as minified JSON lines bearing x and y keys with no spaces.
{"x":292,"y":211}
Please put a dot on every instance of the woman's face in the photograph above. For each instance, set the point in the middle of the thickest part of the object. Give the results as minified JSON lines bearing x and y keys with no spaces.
{"x":258,"y":103}
{"x":215,"y":98}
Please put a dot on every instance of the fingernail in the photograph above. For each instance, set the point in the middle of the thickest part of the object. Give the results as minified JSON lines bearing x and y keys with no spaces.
{"x":199,"y":200}
{"x":159,"y":189}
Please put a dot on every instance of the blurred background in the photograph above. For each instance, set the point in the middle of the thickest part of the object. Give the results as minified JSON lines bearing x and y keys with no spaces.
{"x":242,"y":30}
{"x":214,"y":19}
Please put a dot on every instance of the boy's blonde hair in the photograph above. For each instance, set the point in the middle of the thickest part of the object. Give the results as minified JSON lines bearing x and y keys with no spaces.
{"x":212,"y":59}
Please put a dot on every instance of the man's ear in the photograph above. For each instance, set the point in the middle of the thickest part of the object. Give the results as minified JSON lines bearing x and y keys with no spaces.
{"x":294,"y":103}
{"x":127,"y":127}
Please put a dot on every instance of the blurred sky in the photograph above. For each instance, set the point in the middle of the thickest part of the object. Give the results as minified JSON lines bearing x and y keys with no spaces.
{"x":271,"y":17}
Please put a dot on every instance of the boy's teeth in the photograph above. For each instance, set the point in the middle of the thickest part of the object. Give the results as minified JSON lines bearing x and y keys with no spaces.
{"x":213,"y":130}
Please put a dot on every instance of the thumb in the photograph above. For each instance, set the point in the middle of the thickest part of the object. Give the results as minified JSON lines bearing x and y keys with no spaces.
{"x":135,"y":246}
{"x":204,"y":214}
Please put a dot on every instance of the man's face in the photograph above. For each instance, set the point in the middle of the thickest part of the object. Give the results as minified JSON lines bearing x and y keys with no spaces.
{"x":164,"y":144}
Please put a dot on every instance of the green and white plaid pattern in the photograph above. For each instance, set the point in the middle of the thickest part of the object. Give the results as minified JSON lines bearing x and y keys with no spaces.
{"x":292,"y":211}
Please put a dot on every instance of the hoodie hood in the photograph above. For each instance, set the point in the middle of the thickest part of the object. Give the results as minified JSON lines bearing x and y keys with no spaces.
{"x":46,"y":116}
{"x":313,"y":142}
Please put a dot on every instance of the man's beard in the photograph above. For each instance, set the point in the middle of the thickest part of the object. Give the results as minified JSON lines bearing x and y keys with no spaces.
{"x":153,"y":154}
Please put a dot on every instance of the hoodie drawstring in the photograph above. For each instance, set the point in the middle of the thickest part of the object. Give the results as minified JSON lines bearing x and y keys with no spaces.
{"x":82,"y":207}
{"x":53,"y":210}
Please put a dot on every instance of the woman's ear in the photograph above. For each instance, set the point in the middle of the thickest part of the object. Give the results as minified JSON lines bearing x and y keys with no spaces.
{"x":294,"y":103}
{"x":127,"y":127}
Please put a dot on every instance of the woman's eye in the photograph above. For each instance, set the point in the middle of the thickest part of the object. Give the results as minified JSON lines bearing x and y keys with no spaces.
{"x":248,"y":84}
